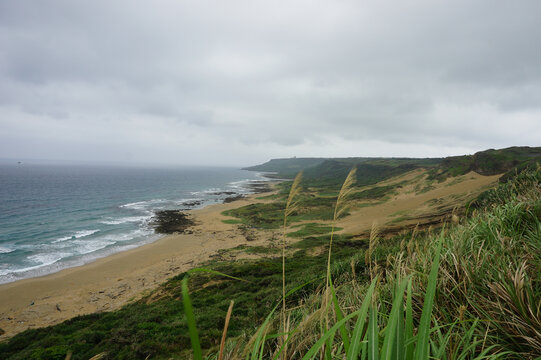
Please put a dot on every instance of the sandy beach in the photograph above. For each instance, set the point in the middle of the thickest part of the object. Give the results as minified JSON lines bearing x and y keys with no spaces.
{"x":108,"y":283}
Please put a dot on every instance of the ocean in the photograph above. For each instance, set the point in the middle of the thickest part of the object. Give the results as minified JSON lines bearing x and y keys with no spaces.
{"x":57,"y":216}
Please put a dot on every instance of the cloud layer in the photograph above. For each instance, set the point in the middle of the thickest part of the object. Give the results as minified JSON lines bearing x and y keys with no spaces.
{"x":238,"y":82}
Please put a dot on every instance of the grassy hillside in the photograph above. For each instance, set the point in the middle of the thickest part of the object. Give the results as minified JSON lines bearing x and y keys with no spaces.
{"x":332,"y":172}
{"x":489,"y":162}
{"x":286,"y":168}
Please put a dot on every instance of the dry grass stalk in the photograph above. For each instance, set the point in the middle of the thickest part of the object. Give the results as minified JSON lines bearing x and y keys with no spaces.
{"x":226,"y":325}
{"x":291,"y":206}
{"x":339,"y":209}
{"x":99,"y":356}
{"x":372,"y":243}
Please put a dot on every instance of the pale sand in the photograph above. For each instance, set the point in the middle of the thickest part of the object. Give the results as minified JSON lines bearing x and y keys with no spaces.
{"x":108,"y":283}
{"x":413,"y":205}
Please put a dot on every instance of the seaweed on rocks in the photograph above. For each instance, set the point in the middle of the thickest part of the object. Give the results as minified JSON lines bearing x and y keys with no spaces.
{"x":171,"y":221}
{"x":259,"y":187}
{"x":223,"y":193}
{"x":192,"y":203}
{"x":230,"y":199}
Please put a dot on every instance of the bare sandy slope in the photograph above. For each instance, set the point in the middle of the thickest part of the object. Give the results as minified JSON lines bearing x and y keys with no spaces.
{"x":108,"y":283}
{"x":410,"y":206}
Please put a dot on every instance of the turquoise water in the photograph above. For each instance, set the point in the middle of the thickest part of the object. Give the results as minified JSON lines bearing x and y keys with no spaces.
{"x":54,"y":217}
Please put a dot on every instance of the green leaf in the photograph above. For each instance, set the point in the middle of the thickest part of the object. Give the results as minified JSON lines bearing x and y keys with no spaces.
{"x":215,"y":273}
{"x":339,"y":316}
{"x":423,"y":334}
{"x":190,"y":319}
{"x":328,"y":334}
{"x":373,"y":335}
{"x":355,"y":347}
{"x":409,"y":324}
{"x":392,"y":323}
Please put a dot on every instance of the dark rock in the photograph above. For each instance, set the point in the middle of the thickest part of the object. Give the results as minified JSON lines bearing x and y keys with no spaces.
{"x":192,"y":203}
{"x":223,"y":193}
{"x":233,"y":198}
{"x":259,"y":187}
{"x":171,"y":221}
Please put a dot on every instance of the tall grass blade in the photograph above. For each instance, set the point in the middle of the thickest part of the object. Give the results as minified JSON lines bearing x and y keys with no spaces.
{"x":410,"y":346}
{"x":190,"y":319}
{"x":291,"y":205}
{"x":393,"y":324}
{"x":214,"y":272}
{"x":373,"y":335}
{"x":423,"y":334}
{"x":339,"y":316}
{"x":327,"y":335}
{"x":358,"y":330}
{"x":259,"y":343}
{"x":399,"y":345}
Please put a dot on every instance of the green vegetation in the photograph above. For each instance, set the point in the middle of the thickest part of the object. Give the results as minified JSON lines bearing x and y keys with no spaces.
{"x":490,"y":162}
{"x":376,"y":192}
{"x":469,"y":291}
{"x":286,"y":168}
{"x":316,"y":204}
{"x":156,"y":325}
{"x":329,"y":173}
{"x":232,"y":221}
{"x":311,"y":229}
{"x":270,"y":215}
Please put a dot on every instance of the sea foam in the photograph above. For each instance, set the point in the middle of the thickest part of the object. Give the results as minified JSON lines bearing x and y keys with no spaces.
{"x":77,"y":235}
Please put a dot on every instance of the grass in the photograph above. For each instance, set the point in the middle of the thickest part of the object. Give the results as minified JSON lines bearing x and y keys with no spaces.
{"x":376,"y":192}
{"x":468,"y":291}
{"x":232,"y":221}
{"x":311,"y":229}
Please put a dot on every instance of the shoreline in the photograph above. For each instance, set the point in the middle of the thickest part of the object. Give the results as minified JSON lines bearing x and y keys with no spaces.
{"x":108,"y":283}
{"x":45,"y":241}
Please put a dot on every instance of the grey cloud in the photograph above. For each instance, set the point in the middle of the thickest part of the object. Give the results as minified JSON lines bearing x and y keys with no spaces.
{"x":247,"y":81}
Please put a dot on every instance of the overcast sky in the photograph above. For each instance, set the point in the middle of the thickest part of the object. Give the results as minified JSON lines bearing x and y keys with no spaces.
{"x":240,"y":82}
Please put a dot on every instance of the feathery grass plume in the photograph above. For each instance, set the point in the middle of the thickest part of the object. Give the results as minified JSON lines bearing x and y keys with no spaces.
{"x":339,"y":209}
{"x":372,"y":243}
{"x":99,"y":356}
{"x":226,"y":325}
{"x":291,"y":206}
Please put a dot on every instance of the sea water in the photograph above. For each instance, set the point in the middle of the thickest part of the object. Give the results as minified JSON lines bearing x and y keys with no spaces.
{"x":58,"y":216}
